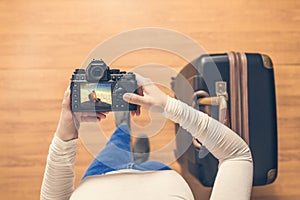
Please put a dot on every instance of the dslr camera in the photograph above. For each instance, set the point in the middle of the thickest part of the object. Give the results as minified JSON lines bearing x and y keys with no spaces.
{"x":100,"y":89}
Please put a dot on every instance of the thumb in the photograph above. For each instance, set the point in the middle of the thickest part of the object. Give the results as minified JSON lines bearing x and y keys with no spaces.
{"x":133,"y":98}
{"x":66,"y":100}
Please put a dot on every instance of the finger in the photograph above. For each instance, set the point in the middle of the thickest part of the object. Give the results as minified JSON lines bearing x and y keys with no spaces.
{"x":132,"y":113}
{"x":138,"y":110}
{"x":140,"y":91}
{"x":100,"y":115}
{"x":88,"y":114}
{"x":133,"y":98}
{"x":66,"y":100}
{"x":93,"y":114}
{"x":89,"y":119}
{"x":139,"y":78}
{"x":142,"y":81}
{"x":104,"y":113}
{"x":67,"y":92}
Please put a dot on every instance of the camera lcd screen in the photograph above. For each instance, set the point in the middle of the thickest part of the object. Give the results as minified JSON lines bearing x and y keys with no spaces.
{"x":95,"y":96}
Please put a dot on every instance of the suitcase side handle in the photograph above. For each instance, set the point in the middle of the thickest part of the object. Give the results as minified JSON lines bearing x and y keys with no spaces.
{"x":219,"y":100}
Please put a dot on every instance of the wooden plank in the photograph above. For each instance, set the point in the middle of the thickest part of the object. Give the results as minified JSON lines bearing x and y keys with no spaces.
{"x":43,"y":41}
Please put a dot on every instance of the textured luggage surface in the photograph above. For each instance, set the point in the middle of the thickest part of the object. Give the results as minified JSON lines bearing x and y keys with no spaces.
{"x":261,"y":112}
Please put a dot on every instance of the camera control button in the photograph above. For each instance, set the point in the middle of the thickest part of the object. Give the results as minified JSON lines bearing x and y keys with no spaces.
{"x":80,"y":71}
{"x":120,"y":91}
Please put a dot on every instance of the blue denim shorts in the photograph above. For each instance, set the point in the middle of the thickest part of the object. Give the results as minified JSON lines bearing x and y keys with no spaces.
{"x":117,"y":155}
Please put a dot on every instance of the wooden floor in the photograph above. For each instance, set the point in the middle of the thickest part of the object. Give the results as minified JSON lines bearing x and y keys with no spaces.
{"x":43,"y":41}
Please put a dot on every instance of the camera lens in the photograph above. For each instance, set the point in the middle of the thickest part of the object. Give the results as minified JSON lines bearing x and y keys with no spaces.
{"x":96,"y":71}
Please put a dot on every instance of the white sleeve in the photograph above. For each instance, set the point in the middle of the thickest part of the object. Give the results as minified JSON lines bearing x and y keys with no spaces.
{"x":58,"y":182}
{"x":235,"y":174}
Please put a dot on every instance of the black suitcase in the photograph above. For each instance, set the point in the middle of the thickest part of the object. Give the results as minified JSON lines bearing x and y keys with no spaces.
{"x":245,"y":81}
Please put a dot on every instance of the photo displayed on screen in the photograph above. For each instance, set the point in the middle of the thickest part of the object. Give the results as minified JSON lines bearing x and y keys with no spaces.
{"x":95,"y":95}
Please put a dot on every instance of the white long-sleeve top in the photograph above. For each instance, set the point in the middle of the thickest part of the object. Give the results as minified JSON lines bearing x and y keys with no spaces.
{"x":233,"y":181}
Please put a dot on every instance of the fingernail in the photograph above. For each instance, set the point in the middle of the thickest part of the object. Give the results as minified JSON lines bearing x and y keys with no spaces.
{"x":126,"y":96}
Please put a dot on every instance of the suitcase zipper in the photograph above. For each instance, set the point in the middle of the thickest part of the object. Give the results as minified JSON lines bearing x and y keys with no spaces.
{"x":234,"y":93}
{"x":239,"y":94}
{"x":244,"y":95}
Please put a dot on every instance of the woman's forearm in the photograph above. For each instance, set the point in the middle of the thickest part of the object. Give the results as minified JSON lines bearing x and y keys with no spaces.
{"x":234,"y":179}
{"x":58,"y":182}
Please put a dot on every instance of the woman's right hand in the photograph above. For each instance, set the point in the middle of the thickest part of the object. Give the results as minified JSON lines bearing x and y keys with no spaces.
{"x":149,"y":95}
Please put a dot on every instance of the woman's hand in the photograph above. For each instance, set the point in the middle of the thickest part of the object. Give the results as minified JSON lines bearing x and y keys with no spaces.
{"x":149,"y":95}
{"x":69,"y":122}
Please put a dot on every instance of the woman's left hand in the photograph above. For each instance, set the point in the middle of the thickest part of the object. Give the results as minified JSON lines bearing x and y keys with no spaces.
{"x":69,"y":122}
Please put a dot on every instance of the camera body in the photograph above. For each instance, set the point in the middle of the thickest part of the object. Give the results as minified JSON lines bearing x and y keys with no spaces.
{"x":100,"y":89}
